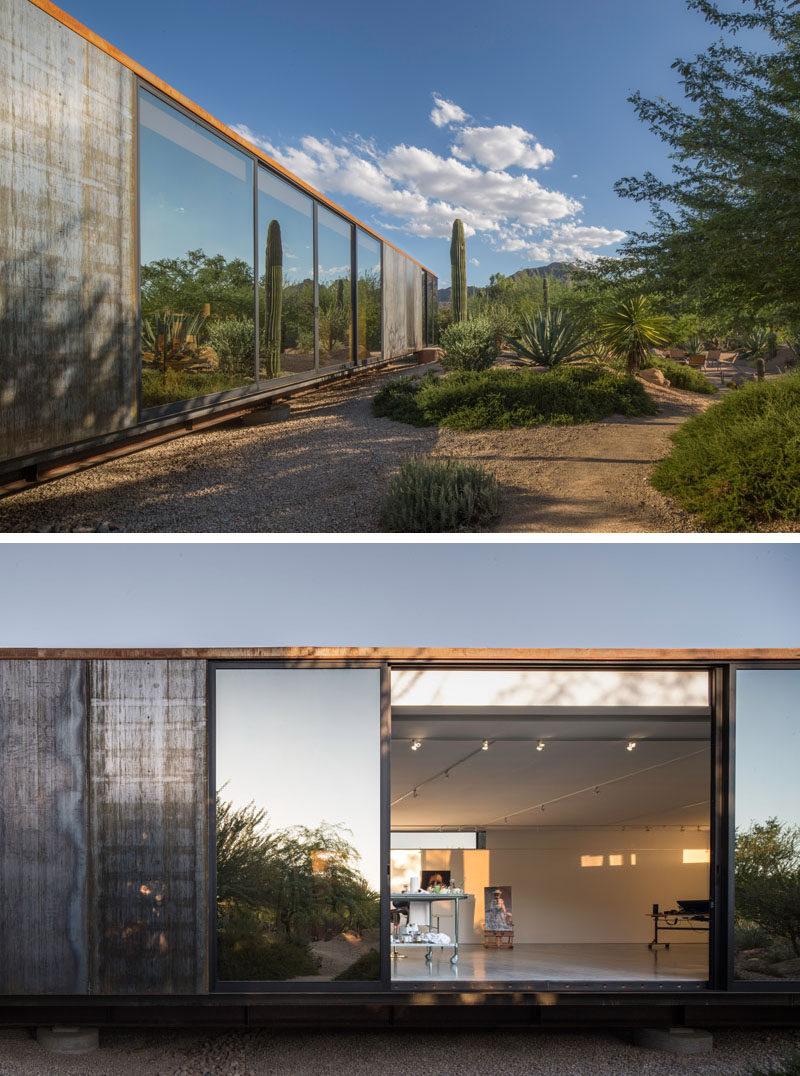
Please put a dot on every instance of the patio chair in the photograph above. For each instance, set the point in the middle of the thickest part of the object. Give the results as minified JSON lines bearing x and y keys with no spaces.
{"x":712,"y":358}
{"x":697,"y":362}
{"x":728,"y":359}
{"x":677,"y":353}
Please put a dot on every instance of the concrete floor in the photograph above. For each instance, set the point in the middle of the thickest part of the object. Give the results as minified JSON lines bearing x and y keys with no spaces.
{"x":557,"y":963}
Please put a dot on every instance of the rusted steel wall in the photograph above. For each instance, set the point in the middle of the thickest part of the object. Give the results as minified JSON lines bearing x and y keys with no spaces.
{"x":148,"y":791}
{"x":67,"y":334}
{"x":43,"y":827}
{"x":402,"y":304}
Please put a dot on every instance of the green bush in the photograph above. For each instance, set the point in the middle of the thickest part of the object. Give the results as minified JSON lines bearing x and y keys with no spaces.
{"x":172,"y":385}
{"x":245,"y":951}
{"x":747,"y":935}
{"x":234,"y":340}
{"x":738,"y":464}
{"x":682,"y":377}
{"x":501,"y":399}
{"x":789,"y":1065}
{"x":366,"y":969}
{"x":430,"y":495}
{"x":470,"y":345}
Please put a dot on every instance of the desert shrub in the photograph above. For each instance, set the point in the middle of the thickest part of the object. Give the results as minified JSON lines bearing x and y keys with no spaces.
{"x":501,"y":399}
{"x":682,"y":377}
{"x":470,"y":345}
{"x":234,"y":340}
{"x":366,"y":969}
{"x":789,"y":1065}
{"x":434,"y":495}
{"x":245,"y":950}
{"x":747,"y":935}
{"x":163,"y":387}
{"x":738,"y":464}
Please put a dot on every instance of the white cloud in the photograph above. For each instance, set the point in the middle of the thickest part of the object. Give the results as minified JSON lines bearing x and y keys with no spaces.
{"x":574,"y":175}
{"x":445,"y":112}
{"x":474,"y":261}
{"x":418,"y":191}
{"x":501,"y":147}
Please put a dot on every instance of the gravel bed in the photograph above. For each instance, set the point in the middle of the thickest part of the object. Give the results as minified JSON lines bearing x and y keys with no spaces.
{"x":373,"y":1053}
{"x":326,"y":467}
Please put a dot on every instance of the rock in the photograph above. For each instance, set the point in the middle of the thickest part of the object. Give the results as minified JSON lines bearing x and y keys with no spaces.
{"x":787,"y":969}
{"x":654,"y":376}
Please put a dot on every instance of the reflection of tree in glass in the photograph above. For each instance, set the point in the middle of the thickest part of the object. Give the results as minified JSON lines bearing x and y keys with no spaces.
{"x":279,"y":891}
{"x":369,"y":313}
{"x":188,"y":284}
{"x":767,"y":875}
{"x":334,"y":318}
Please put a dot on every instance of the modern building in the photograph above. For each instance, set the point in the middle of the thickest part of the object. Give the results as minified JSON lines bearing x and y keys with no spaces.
{"x":157,"y":269}
{"x":399,"y":837}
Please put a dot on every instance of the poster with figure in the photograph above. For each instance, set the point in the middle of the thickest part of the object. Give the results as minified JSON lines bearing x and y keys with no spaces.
{"x":433,"y":878}
{"x":497,"y":908}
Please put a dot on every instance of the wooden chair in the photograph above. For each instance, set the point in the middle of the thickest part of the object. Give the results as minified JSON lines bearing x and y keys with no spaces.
{"x":697,"y":362}
{"x":677,"y":353}
{"x":498,"y":939}
{"x":713,"y":357}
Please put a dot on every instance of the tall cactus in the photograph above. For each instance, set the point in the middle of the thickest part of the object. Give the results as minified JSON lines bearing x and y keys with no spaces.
{"x":546,"y":293}
{"x":273,"y":289}
{"x":458,"y":271}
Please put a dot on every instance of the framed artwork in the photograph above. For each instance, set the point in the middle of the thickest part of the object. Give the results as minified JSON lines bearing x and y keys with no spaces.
{"x":497,"y":908}
{"x":434,"y":877}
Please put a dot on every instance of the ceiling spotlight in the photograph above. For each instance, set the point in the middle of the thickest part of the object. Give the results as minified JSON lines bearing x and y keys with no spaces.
{"x":631,"y":745}
{"x":540,"y":745}
{"x":485,"y":745}
{"x":416,"y":744}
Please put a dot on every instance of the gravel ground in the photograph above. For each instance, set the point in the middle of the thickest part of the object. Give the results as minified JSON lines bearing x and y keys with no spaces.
{"x":483,"y":1053}
{"x":326,"y":467}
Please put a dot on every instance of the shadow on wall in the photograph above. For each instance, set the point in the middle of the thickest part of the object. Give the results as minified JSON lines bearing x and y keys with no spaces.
{"x":67,"y":350}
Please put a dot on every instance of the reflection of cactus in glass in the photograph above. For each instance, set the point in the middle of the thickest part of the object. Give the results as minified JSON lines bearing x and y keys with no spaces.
{"x":458,"y":271}
{"x":273,"y":288}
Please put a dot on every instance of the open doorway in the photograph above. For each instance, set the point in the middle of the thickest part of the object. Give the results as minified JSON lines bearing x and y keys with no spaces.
{"x":550,"y":827}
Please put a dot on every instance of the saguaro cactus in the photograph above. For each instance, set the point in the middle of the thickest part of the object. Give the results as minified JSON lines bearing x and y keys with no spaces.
{"x":760,"y":369}
{"x":546,"y":294}
{"x":273,"y":289}
{"x":458,"y":271}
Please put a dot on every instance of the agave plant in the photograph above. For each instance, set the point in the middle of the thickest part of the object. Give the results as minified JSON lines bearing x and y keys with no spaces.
{"x":754,"y":345}
{"x":693,"y":343}
{"x":632,"y":329}
{"x":166,"y":335}
{"x":549,"y":337}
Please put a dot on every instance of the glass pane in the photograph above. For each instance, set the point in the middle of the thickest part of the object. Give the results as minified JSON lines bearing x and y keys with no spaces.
{"x":593,"y":862}
{"x":335,"y":307}
{"x":286,"y":278}
{"x":196,"y":226}
{"x":298,"y":824}
{"x":412,"y":304}
{"x":369,"y":296}
{"x":767,"y":860}
{"x":432,"y":309}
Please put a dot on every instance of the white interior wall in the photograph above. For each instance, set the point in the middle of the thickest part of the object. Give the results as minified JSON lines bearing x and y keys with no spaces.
{"x":555,"y":898}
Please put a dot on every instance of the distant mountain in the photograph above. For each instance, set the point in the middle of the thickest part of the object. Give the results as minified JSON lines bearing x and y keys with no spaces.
{"x":558,"y":270}
{"x":445,"y":293}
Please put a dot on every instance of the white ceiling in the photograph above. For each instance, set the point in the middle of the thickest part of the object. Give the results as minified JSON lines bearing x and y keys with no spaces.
{"x":664,"y":781}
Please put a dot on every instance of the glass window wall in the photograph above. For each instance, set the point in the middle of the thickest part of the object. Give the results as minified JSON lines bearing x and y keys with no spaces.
{"x":767,"y":850}
{"x":368,"y":254}
{"x":431,"y":309}
{"x":334,"y":256}
{"x":297,"y":824}
{"x":197,"y":276}
{"x":286,"y":278}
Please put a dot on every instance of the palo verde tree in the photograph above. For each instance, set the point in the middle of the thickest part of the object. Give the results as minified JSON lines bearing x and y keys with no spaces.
{"x":767,"y":877}
{"x":725,"y":232}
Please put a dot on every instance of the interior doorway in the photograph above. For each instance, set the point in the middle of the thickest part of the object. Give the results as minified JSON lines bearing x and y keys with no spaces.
{"x":551,"y":827}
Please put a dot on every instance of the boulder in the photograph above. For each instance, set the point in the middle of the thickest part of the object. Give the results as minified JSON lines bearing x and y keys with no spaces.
{"x":654,"y":376}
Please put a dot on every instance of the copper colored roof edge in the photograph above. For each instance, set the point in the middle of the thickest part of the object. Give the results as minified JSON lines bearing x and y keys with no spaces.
{"x":459,"y":655}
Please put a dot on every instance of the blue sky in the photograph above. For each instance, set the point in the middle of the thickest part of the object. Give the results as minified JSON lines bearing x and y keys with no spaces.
{"x":579,"y":594}
{"x":344,"y":93}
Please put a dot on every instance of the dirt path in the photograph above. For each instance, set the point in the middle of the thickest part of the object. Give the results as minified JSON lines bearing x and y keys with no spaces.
{"x":326,"y":468}
{"x":580,"y":479}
